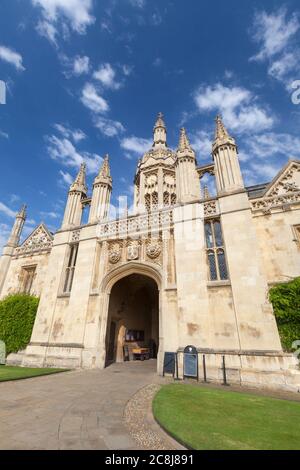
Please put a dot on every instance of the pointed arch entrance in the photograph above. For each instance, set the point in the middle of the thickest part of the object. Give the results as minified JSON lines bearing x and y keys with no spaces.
{"x":132,"y":311}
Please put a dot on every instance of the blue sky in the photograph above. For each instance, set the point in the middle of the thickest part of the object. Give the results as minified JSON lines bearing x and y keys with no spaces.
{"x":85,"y":78}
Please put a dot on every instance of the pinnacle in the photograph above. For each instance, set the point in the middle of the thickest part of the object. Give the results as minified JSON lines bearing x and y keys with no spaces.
{"x":160,"y":121}
{"x":184,"y":142}
{"x":221,"y":131}
{"x":22,"y":212}
{"x":105,"y":169}
{"x":80,"y":179}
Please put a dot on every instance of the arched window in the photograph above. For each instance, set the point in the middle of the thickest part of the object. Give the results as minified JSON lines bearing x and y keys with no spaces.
{"x":215,"y":251}
{"x":148,"y":202}
{"x":154,"y":202}
{"x":166,"y":199}
{"x":173,"y":199}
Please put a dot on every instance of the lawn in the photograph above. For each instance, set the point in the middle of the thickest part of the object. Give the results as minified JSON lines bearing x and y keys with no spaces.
{"x":18,"y":373}
{"x":214,"y":419}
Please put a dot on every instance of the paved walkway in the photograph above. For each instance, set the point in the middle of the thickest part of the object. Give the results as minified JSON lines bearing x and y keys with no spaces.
{"x":73,"y":410}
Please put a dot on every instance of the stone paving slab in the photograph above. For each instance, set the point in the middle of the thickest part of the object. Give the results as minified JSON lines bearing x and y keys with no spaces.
{"x":72,"y":410}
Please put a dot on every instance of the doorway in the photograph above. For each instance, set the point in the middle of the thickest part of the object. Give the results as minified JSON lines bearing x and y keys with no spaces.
{"x":133,"y":319}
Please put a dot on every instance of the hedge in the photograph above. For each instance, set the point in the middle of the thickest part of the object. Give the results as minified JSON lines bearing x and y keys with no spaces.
{"x":285,"y":299}
{"x":17,"y":315}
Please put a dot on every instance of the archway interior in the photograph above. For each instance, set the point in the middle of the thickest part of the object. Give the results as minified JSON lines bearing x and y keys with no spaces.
{"x":133,"y":319}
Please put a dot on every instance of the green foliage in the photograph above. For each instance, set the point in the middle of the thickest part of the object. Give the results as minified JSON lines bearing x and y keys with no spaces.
{"x":286,"y":303}
{"x":17,"y":315}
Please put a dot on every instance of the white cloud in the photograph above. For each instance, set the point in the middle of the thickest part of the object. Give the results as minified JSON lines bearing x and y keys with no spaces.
{"x":92,"y":100}
{"x":108,"y":127}
{"x":270,"y":144}
{"x":66,"y":178}
{"x":276,"y":36}
{"x":7,"y":211}
{"x":265,"y":172}
{"x":63,"y":150}
{"x":50,"y":215}
{"x":156,"y":19}
{"x":106,"y":76}
{"x":138,"y":3}
{"x":157,"y":62}
{"x":12,"y":57}
{"x":48,"y":31}
{"x":273,"y":32}
{"x":76,"y":135}
{"x":201,"y":142}
{"x":81,"y":65}
{"x":4,"y":134}
{"x":286,"y":64}
{"x":136,"y":145}
{"x":237,"y":105}
{"x":76,"y":13}
{"x":127,"y":70}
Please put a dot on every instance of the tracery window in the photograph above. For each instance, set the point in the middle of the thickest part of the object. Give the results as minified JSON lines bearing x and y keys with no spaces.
{"x":215,"y":251}
{"x":70,"y":269}
{"x":169,"y":199}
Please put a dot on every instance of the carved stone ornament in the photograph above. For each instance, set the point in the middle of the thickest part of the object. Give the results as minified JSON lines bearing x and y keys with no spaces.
{"x":153,"y":249}
{"x":115,"y":253}
{"x":39,"y":240}
{"x":133,"y":250}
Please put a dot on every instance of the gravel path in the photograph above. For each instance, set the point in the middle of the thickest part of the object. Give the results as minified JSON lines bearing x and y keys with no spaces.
{"x":141,"y":424}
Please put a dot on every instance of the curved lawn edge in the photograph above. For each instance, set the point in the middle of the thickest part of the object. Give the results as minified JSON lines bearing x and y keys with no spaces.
{"x":212,"y":419}
{"x":171,"y":434}
{"x":14,"y":373}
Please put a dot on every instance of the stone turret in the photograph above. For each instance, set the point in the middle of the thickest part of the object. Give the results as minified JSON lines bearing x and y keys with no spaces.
{"x":77,"y":192}
{"x":225,"y":155}
{"x":11,"y":245}
{"x":160,"y":133}
{"x":187,"y":180}
{"x":102,"y":189}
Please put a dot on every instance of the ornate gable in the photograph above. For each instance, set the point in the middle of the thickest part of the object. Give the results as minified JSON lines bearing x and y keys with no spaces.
{"x":282,"y":192}
{"x":287,"y":181}
{"x":39,"y":240}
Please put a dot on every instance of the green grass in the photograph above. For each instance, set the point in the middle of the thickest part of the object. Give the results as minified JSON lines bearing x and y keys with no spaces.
{"x":19,"y":373}
{"x":213,"y":419}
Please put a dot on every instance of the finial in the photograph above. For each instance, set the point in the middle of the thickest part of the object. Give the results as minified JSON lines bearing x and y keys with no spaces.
{"x":160,"y":121}
{"x":105,"y":168}
{"x":221,"y":131}
{"x":184,"y":143}
{"x":80,"y":179}
{"x":22,"y":213}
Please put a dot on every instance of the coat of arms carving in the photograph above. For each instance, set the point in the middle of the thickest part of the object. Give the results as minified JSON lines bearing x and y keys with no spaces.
{"x":133,"y":251}
{"x":115,"y":253}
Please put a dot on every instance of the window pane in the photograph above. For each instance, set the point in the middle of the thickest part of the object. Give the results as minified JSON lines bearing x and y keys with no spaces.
{"x":208,"y":235}
{"x":212,"y":267}
{"x":222,"y":265}
{"x":218,"y":233}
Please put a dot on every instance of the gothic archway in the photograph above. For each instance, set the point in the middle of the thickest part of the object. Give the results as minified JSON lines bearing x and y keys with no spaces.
{"x":133,"y":318}
{"x":144,"y":281}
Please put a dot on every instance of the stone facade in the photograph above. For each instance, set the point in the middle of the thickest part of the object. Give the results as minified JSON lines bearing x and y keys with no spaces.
{"x":184,"y":269}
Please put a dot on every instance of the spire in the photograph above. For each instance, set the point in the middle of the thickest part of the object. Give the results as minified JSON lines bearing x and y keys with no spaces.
{"x":160,"y":132}
{"x":221,"y":134}
{"x":17,"y":227}
{"x":79,"y":183}
{"x":160,"y":121}
{"x":22,"y":213}
{"x":105,"y":169}
{"x":104,"y":175}
{"x":184,"y":143}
